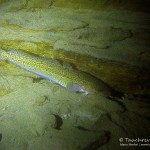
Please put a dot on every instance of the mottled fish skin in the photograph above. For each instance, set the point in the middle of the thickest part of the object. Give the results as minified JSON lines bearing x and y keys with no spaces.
{"x":52,"y":71}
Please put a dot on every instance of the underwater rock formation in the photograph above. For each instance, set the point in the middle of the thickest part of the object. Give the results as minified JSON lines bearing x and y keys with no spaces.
{"x":106,"y":39}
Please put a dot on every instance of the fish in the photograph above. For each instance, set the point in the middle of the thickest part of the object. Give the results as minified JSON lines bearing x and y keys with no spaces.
{"x":70,"y":78}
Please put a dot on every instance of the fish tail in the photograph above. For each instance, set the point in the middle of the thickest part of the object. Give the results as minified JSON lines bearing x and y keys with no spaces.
{"x":3,"y":54}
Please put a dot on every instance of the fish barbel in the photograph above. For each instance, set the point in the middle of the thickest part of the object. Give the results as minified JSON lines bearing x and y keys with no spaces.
{"x":72,"y":79}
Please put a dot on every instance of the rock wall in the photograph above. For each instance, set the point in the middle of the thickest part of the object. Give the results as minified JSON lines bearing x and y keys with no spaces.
{"x":134,"y":5}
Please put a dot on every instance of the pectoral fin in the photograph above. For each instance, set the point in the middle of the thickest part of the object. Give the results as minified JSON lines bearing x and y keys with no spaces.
{"x":74,"y":87}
